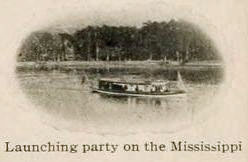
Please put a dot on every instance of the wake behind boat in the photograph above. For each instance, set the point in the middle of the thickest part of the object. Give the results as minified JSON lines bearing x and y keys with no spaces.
{"x":139,"y":87}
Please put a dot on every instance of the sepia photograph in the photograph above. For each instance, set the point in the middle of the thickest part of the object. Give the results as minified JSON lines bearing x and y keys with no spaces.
{"x":152,"y":76}
{"x":123,"y":80}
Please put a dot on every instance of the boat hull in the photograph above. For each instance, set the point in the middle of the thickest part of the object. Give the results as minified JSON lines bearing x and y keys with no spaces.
{"x":128,"y":94}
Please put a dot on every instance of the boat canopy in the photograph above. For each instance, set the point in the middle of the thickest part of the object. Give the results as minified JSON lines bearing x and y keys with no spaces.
{"x":134,"y":81}
{"x":125,"y":81}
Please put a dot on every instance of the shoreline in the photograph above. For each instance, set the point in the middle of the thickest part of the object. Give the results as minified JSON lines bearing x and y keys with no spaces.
{"x":117,"y":64}
{"x":145,"y":65}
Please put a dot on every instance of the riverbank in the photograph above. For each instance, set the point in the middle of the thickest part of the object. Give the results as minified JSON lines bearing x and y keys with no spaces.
{"x":114,"y":64}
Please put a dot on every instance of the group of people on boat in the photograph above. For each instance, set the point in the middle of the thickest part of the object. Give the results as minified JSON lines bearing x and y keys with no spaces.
{"x":136,"y":87}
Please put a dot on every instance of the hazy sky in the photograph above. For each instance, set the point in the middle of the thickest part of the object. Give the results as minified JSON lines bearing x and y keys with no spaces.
{"x":133,"y":14}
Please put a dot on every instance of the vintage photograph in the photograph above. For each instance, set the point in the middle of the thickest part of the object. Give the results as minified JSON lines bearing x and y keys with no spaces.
{"x":150,"y":76}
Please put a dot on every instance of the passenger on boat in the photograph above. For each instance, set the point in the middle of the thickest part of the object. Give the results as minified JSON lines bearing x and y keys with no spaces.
{"x":153,"y":88}
{"x":137,"y":88}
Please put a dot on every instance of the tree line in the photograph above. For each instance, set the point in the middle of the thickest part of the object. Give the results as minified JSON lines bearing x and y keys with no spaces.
{"x":172,"y":40}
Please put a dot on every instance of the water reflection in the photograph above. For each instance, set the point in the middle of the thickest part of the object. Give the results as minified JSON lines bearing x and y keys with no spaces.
{"x":162,"y":102}
{"x":61,"y":94}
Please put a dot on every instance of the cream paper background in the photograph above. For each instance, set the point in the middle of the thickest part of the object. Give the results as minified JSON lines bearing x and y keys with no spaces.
{"x":225,"y":21}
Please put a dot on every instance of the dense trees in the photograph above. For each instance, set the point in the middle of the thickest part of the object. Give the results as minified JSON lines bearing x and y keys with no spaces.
{"x":41,"y":46}
{"x":173,"y":40}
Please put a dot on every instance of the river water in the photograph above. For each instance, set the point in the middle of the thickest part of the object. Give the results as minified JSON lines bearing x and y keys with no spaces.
{"x":69,"y":105}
